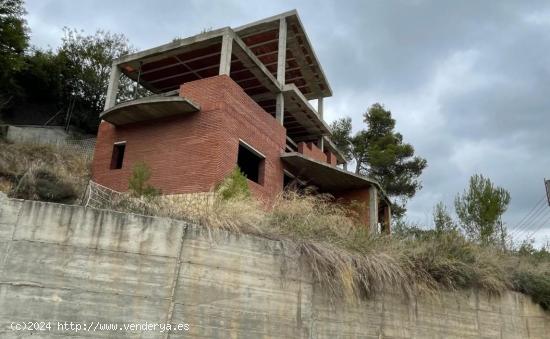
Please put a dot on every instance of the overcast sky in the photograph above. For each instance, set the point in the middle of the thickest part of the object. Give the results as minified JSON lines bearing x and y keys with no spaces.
{"x":467,"y":81}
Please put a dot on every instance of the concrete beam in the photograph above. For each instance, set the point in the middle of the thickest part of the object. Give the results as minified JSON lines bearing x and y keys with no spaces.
{"x":373,"y":210}
{"x":159,"y":52}
{"x":112,"y":90}
{"x":281,"y":55}
{"x":254,"y":65}
{"x":225,"y":57}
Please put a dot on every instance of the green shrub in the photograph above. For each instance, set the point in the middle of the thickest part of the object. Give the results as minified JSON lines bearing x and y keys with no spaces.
{"x":137,"y":184}
{"x":535,"y":284}
{"x":234,"y":186}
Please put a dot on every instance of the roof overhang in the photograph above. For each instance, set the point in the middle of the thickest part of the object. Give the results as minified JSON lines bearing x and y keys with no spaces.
{"x":148,"y":108}
{"x":326,"y":177}
{"x":303,"y":67}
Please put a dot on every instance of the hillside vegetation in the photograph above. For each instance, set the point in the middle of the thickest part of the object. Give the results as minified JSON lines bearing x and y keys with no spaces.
{"x":345,"y":259}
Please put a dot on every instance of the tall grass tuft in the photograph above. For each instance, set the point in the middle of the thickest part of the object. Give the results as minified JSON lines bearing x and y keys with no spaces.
{"x":42,"y":173}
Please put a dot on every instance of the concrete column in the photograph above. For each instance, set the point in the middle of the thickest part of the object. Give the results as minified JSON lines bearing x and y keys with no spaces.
{"x":281,"y":69}
{"x":320,"y":107}
{"x":373,"y":210}
{"x":322,"y":144}
{"x":112,"y":90}
{"x":281,"y":55}
{"x":225,"y":58}
{"x":280,"y":108}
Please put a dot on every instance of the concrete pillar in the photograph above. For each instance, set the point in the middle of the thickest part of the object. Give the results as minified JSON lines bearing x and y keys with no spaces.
{"x":373,"y":210}
{"x":281,"y":69}
{"x":280,"y":108}
{"x":345,"y":166}
{"x":322,"y":144}
{"x":225,"y":57}
{"x":112,"y":90}
{"x":320,"y":107}
{"x":387,"y":218}
{"x":281,"y":55}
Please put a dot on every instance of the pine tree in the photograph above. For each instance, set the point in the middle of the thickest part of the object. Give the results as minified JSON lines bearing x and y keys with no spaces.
{"x":380,"y":153}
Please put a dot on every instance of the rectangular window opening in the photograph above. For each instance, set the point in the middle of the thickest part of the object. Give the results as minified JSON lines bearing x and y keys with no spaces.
{"x":251,"y":163}
{"x":118,"y":155}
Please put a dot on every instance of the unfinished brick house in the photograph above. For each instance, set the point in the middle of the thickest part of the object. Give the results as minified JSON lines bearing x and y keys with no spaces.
{"x":227,"y":97}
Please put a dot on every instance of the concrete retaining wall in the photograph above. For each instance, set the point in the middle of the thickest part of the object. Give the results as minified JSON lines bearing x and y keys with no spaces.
{"x":44,"y":135}
{"x":67,"y":263}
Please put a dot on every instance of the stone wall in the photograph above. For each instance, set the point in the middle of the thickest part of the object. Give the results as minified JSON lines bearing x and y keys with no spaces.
{"x":67,"y":263}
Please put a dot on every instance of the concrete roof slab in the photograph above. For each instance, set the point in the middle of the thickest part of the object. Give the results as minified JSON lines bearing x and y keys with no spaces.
{"x":326,"y":177}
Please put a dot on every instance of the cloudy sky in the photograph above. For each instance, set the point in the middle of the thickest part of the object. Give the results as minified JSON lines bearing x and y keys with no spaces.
{"x":467,"y":81}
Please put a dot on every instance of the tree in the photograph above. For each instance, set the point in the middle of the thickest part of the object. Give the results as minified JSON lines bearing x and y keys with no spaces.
{"x":40,"y":79}
{"x":13,"y":42}
{"x":88,"y":60}
{"x":379,"y":152}
{"x":442,"y":219}
{"x":480,"y":209}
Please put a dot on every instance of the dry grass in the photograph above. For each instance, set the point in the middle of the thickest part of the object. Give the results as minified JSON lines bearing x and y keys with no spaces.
{"x":348,"y":262}
{"x":42,"y":173}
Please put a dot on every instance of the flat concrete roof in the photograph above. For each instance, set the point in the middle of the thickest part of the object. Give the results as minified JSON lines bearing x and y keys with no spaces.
{"x":326,"y":177}
{"x":303,"y":67}
{"x":148,"y":108}
{"x":165,"y":67}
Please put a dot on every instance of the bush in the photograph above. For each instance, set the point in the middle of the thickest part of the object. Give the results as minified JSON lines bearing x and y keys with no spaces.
{"x":234,"y":186}
{"x":137,"y":184}
{"x":537,"y":285}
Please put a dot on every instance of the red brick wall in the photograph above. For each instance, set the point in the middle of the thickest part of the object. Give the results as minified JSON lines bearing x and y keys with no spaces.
{"x":311,"y":150}
{"x":192,"y":153}
{"x":331,"y":158}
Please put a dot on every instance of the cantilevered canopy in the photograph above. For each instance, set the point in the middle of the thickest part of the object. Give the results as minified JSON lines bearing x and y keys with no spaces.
{"x":302,"y":66}
{"x":148,"y":108}
{"x":324,"y":176}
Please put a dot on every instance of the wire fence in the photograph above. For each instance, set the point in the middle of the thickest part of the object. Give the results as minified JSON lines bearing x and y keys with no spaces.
{"x":83,"y":147}
{"x":192,"y":207}
{"x":53,"y":136}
